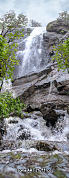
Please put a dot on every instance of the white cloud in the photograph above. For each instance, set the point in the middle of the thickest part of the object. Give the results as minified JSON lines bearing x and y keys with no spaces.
{"x":39,"y":10}
{"x":6,"y":5}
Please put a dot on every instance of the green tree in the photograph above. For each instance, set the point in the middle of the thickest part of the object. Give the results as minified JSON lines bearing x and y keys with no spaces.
{"x":9,"y":22}
{"x":35,"y":24}
{"x":64,"y":16}
{"x":10,"y":106}
{"x":62,"y":55}
{"x":7,"y":58}
{"x":10,"y":31}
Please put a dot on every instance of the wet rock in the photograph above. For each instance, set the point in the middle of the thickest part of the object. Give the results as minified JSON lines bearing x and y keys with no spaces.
{"x":34,"y":124}
{"x":50,"y":115}
{"x":6,"y":145}
{"x":36,"y":89}
{"x":29,"y":108}
{"x":26,"y":114}
{"x":13,"y":122}
{"x":68,"y":136}
{"x":62,"y":87}
{"x":58,"y":26}
{"x":2,"y":130}
{"x":45,"y":146}
{"x":40,"y":96}
{"x":24,"y":136}
{"x":37,"y":114}
{"x":68,"y":109}
{"x":48,"y":86}
{"x":49,"y":40}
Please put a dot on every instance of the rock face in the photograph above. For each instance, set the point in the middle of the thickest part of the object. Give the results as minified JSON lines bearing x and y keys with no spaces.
{"x":49,"y":114}
{"x":62,"y":87}
{"x":46,"y":91}
{"x":58,"y":26}
{"x":50,"y":39}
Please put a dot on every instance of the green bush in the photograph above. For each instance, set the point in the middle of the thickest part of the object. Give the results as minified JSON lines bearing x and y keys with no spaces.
{"x":62,"y":55}
{"x":9,"y":105}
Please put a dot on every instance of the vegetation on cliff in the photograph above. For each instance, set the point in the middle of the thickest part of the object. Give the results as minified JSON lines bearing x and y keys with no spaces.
{"x":62,"y":55}
{"x":10,"y":31}
{"x":9,"y":105}
{"x":61,"y":25}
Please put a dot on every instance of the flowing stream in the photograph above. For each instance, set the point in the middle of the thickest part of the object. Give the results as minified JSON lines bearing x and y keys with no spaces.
{"x":19,"y":156}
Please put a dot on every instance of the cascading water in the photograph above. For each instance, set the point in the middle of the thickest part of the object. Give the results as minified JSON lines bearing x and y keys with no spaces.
{"x":7,"y":85}
{"x":36,"y":129}
{"x":33,"y":57}
{"x":18,"y":150}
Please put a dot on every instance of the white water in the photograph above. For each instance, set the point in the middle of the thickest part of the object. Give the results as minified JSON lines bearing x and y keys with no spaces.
{"x":36,"y":129}
{"x":7,"y":86}
{"x":61,"y":130}
{"x":32,"y":55}
{"x":32,"y":58}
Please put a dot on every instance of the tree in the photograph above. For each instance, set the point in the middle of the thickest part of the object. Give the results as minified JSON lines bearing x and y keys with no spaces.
{"x":10,"y":31}
{"x":35,"y":24}
{"x":9,"y":22}
{"x":62,"y":55}
{"x":64,"y":16}
{"x":7,"y":58}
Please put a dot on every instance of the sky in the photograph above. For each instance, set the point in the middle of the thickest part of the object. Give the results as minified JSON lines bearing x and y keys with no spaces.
{"x":43,"y":11}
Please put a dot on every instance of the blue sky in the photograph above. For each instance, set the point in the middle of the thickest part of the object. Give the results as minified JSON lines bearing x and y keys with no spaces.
{"x":42,"y":11}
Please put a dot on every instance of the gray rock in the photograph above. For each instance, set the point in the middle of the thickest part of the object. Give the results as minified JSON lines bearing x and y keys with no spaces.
{"x":68,"y":110}
{"x":58,"y":26}
{"x":35,"y":89}
{"x":2,"y":130}
{"x":25,"y":135}
{"x":68,"y":136}
{"x":45,"y":146}
{"x":47,"y":89}
{"x":62,"y":87}
{"x":49,"y":114}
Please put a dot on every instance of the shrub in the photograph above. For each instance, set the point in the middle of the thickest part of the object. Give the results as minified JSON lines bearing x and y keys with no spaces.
{"x":9,"y":105}
{"x":62,"y":55}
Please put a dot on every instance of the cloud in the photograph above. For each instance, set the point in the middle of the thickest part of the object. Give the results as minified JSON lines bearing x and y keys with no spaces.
{"x":39,"y":10}
{"x":6,"y":5}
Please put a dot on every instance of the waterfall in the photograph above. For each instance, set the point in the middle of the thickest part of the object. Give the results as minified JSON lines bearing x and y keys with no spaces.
{"x":33,"y":57}
{"x":7,"y":85}
{"x":36,"y":129}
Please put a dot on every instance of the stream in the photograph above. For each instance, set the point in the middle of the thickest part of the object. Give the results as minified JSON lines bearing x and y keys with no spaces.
{"x":23,"y":154}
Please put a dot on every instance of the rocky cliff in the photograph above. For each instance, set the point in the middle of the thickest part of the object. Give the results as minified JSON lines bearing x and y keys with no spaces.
{"x":47,"y":90}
